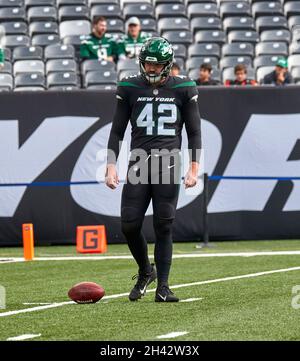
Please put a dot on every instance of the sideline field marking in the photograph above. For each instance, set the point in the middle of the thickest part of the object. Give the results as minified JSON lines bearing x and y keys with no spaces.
{"x":37,"y":303}
{"x":172,"y":335}
{"x":23,"y":337}
{"x":191,"y":299}
{"x":249,"y":275}
{"x":175,"y":256}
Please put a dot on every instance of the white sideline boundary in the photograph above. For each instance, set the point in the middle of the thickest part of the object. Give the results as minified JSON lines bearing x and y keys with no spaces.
{"x":60,"y":304}
{"x":175,"y":256}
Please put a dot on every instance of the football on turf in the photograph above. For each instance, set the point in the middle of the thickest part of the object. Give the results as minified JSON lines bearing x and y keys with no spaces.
{"x":86,"y":292}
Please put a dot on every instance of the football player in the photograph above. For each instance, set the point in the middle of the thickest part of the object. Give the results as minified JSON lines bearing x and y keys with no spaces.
{"x":157,"y":106}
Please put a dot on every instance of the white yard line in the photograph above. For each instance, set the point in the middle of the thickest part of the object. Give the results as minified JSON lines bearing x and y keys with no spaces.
{"x":191,"y":299}
{"x":23,"y":337}
{"x":172,"y":335}
{"x":175,"y":256}
{"x":249,"y":275}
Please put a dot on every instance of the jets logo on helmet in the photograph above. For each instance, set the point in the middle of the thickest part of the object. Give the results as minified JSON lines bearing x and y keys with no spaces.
{"x":159,"y":51}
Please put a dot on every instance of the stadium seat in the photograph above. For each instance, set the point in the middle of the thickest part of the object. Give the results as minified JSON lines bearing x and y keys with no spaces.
{"x":141,"y":10}
{"x":265,"y":60}
{"x":294,"y":61}
{"x":29,"y":89}
{"x":205,"y":23}
{"x":271,"y":23}
{"x":238,"y":23}
{"x":42,"y":13}
{"x":73,"y":12}
{"x":126,"y":73}
{"x":71,"y":2}
{"x":7,"y":54}
{"x":296,"y":33}
{"x":271,"y":48}
{"x":58,"y":51}
{"x":296,"y":73}
{"x":6,"y":81}
{"x":102,"y":87}
{"x":108,"y":11}
{"x":64,"y":65}
{"x":232,"y":61}
{"x":179,"y":51}
{"x":12,"y":41}
{"x":12,"y":14}
{"x":43,"y":27}
{"x":102,"y":2}
{"x":7,"y":68}
{"x":292,"y":8}
{"x":261,"y":72}
{"x":180,"y":62}
{"x":100,"y":77}
{"x":148,"y":24}
{"x":11,"y":3}
{"x":73,"y":40}
{"x":28,"y":66}
{"x":235,"y":8}
{"x":14,"y":27}
{"x":228,"y":74}
{"x":115,"y":25}
{"x":74,"y":27}
{"x":45,"y":39}
{"x":205,"y":50}
{"x":243,"y":36}
{"x":294,"y":21}
{"x":30,"y":3}
{"x":202,"y":9}
{"x":64,"y":88}
{"x":168,"y":10}
{"x":29,"y":79}
{"x":294,"y":48}
{"x":62,"y":78}
{"x":195,"y":62}
{"x":179,"y":37}
{"x":27,"y":53}
{"x":267,"y":8}
{"x":210,"y":36}
{"x":276,"y":35}
{"x":96,"y":65}
{"x":173,"y":23}
{"x":128,"y":64}
{"x":238,"y":49}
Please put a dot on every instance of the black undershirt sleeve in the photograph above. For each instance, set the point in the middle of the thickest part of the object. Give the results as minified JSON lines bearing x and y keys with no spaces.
{"x":192,"y":121}
{"x":119,"y":124}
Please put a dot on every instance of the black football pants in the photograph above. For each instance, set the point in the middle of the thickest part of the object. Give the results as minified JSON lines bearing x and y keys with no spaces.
{"x":164,"y":176}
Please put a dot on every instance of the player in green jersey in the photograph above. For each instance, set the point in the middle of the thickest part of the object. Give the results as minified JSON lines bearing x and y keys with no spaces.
{"x":157,"y":106}
{"x":129,"y":45}
{"x":1,"y":58}
{"x":99,"y":45}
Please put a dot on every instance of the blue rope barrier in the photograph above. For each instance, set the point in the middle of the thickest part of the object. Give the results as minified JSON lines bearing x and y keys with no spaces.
{"x":68,"y":183}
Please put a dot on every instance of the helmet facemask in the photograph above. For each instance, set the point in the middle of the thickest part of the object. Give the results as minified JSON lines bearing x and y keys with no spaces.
{"x":156,"y":78}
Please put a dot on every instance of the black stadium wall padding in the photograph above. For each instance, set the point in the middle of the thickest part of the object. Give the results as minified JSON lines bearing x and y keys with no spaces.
{"x":53,"y":137}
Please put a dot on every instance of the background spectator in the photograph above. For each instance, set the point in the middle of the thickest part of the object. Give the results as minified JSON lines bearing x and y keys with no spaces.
{"x":205,"y":75}
{"x":175,"y":70}
{"x":1,"y":59}
{"x":129,"y":45}
{"x":99,"y":45}
{"x":240,"y":72}
{"x":279,"y":76}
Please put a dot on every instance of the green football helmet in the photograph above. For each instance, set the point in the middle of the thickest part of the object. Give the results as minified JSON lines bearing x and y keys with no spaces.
{"x":159,"y":51}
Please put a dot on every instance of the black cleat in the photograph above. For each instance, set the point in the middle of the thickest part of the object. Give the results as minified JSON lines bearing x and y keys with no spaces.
{"x":164,"y":294}
{"x":143,"y":282}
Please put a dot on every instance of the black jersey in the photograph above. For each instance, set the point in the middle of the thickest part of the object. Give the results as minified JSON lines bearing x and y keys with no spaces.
{"x":157,"y":115}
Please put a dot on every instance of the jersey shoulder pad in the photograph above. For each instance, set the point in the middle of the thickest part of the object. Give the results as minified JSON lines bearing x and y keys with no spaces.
{"x":182,"y":81}
{"x":132,"y":81}
{"x":85,"y":38}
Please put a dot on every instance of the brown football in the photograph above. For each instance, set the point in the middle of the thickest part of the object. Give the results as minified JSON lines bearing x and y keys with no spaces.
{"x":86,"y":292}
